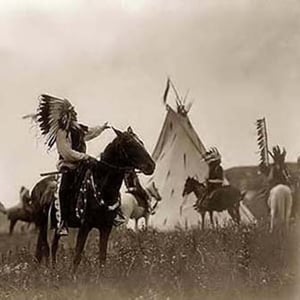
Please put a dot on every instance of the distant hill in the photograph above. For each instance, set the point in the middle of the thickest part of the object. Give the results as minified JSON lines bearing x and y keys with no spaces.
{"x":3,"y":223}
{"x":249,"y":178}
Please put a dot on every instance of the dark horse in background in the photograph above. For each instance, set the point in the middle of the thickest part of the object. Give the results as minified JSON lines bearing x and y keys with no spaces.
{"x":224,"y":198}
{"x":125,"y":152}
{"x":29,"y":205}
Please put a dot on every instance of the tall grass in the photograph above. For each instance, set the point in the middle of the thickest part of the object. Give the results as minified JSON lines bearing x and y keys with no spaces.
{"x":243,"y":262}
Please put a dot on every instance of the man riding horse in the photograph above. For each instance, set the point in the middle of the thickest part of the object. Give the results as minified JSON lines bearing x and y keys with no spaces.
{"x":134,"y":187}
{"x":215,"y":178}
{"x":57,"y":120}
{"x":278,"y":173}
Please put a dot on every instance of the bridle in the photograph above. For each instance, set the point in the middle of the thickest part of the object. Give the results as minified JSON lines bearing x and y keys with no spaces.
{"x":124,"y":156}
{"x":97,"y":194}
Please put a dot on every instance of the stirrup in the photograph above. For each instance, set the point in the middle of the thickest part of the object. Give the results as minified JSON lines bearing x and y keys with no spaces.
{"x":119,"y":220}
{"x":62,"y":230}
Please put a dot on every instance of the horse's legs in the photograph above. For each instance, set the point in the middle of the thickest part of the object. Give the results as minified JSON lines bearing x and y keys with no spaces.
{"x":104,"y":235}
{"x":42,"y":247}
{"x":81,"y":239}
{"x":12,"y":226}
{"x":236,"y":210}
{"x":136,"y":227}
{"x":234,"y":214}
{"x":39,"y":247}
{"x":54,"y":248}
{"x":288,"y":211}
{"x":203,"y":219}
{"x":211,"y":218}
{"x":272,"y":220}
{"x":146,"y":221}
{"x":238,"y":215}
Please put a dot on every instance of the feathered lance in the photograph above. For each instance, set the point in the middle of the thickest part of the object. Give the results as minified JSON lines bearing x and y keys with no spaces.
{"x":262,"y":140}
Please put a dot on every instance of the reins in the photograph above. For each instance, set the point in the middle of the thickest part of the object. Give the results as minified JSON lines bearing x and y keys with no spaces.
{"x":97,"y":192}
{"x":115,"y":167}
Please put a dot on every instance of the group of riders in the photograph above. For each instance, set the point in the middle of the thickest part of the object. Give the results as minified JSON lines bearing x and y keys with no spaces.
{"x":57,"y":120}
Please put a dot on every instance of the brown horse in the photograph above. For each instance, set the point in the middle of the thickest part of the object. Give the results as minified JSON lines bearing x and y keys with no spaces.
{"x":27,"y":210}
{"x":224,"y":198}
{"x":124,"y":153}
{"x":14,"y":214}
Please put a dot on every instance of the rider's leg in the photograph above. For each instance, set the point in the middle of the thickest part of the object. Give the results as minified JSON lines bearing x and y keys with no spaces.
{"x":64,"y":193}
{"x":119,"y":218}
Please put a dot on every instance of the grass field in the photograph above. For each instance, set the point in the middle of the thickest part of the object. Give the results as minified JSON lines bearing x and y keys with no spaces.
{"x":229,"y":263}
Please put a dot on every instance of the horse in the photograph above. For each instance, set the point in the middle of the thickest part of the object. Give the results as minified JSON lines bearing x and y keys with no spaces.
{"x":280,"y":202}
{"x":18,"y":212}
{"x":14,"y":214}
{"x":280,"y":199}
{"x":124,"y":153}
{"x":224,"y":198}
{"x":132,"y":210}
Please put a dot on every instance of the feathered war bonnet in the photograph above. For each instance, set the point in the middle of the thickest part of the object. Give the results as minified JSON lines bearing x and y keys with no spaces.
{"x":212,"y":155}
{"x":54,"y":113}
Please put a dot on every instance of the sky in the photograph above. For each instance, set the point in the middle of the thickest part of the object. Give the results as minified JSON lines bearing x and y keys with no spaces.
{"x":239,"y":59}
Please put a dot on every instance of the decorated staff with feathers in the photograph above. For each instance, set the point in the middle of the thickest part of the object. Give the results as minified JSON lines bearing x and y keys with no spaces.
{"x":57,"y":120}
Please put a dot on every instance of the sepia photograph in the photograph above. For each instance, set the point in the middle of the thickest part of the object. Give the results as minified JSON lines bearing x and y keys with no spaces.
{"x":150,"y":149}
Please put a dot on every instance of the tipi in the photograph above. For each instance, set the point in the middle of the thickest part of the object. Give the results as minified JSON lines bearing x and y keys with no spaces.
{"x":179,"y":154}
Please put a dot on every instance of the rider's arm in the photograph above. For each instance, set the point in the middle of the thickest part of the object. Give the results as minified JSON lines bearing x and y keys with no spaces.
{"x":64,"y":148}
{"x":93,"y":132}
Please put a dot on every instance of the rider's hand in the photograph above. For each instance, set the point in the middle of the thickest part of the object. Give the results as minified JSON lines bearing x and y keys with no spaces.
{"x":90,"y":158}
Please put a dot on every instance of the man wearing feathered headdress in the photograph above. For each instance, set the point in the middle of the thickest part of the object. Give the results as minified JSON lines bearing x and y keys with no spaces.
{"x":58,"y":123}
{"x":215,"y":174}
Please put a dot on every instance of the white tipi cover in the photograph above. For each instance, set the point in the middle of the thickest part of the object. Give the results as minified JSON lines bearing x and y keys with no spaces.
{"x":179,"y":154}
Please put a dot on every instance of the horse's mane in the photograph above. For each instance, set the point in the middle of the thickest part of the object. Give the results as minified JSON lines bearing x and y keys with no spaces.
{"x":195,"y":181}
{"x":108,"y":149}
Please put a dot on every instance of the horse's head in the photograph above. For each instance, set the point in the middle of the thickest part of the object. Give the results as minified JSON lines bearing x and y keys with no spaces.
{"x":132,"y":153}
{"x":153,"y":191}
{"x":24,"y":195}
{"x":190,"y":185}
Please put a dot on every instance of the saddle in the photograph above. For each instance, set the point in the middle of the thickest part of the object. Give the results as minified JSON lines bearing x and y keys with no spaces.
{"x":82,"y":184}
{"x":87,"y":187}
{"x":207,"y":196}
